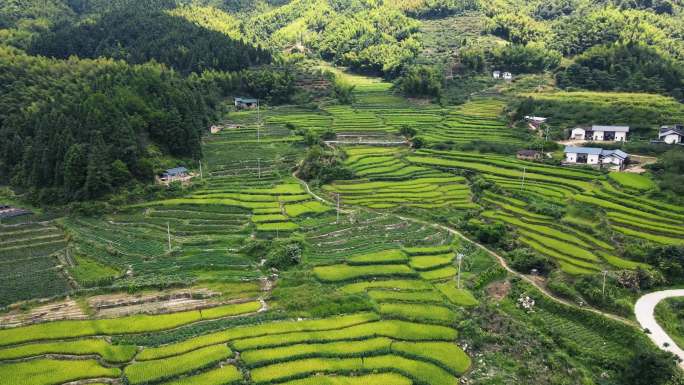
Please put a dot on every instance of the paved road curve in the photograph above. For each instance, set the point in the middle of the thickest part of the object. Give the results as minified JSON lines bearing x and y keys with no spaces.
{"x":644,"y":311}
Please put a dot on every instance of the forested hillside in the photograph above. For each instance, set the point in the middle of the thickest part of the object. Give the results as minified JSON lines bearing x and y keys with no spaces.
{"x":87,"y":125}
{"x":138,"y":34}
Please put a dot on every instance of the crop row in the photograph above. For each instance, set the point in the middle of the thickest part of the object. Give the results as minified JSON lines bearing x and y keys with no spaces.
{"x":124,"y":325}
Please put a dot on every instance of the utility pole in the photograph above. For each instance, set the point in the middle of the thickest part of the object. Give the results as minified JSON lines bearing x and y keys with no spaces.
{"x":459,"y":258}
{"x":258,"y":121}
{"x":259,"y":167}
{"x":605,"y":273}
{"x":201,"y":173}
{"x":338,"y":209}
{"x":168,"y":233}
{"x":522,"y":183}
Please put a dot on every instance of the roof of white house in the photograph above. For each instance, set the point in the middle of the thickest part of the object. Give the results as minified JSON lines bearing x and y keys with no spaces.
{"x":610,"y":128}
{"x":670,"y":130}
{"x":583,"y":150}
{"x":615,"y":154}
{"x":579,"y":128}
{"x":536,"y":118}
{"x":245,"y":100}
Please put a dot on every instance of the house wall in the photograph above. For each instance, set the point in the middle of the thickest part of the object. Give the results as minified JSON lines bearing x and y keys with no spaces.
{"x":620,"y":136}
{"x":571,"y":157}
{"x":578,"y":133}
{"x":598,"y":135}
{"x":672,"y":139}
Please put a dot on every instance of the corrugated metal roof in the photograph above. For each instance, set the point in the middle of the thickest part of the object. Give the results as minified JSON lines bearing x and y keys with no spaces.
{"x":583,"y":150}
{"x":615,"y":153}
{"x":176,"y":171}
{"x":610,"y":128}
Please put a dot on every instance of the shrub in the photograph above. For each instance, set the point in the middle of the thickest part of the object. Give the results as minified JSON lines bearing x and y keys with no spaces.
{"x":524,"y":260}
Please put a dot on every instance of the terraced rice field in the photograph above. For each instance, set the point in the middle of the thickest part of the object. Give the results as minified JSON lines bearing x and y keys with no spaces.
{"x":475,"y":121}
{"x":390,"y":181}
{"x":30,"y":263}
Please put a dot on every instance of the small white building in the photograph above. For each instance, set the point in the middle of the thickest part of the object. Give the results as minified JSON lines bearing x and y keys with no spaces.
{"x":507,"y":76}
{"x":672,"y":134}
{"x":496,"y":74}
{"x":216,"y":129}
{"x":594,"y":156}
{"x":246,"y":103}
{"x":582,"y":155}
{"x":617,"y":158}
{"x":601,"y":133}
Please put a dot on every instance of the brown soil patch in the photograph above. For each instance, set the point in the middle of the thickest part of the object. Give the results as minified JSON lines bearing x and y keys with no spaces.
{"x":121,"y":304}
{"x":66,"y":309}
{"x":498,"y":290}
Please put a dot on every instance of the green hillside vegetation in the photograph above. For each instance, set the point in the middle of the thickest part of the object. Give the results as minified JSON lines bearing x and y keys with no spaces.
{"x":138,"y":34}
{"x":368,"y":223}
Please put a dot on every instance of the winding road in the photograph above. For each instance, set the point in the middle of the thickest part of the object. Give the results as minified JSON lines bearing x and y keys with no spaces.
{"x":497,"y":256}
{"x":644,"y":310}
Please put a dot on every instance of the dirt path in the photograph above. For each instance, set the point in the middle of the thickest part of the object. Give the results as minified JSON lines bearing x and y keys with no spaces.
{"x":498,"y":258}
{"x":644,"y":310}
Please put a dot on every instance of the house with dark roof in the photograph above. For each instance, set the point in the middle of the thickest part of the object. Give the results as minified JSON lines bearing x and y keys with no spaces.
{"x":594,"y":156}
{"x":528,"y":155}
{"x":599,"y":133}
{"x":672,"y":134}
{"x":7,"y":211}
{"x":246,"y":103}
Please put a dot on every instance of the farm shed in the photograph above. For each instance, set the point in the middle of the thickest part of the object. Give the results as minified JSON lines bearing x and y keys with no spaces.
{"x":7,"y":212}
{"x":529,"y":155}
{"x":246,"y":103}
{"x":174,"y":174}
{"x":672,"y":134}
{"x":535,"y":121}
{"x":601,"y":133}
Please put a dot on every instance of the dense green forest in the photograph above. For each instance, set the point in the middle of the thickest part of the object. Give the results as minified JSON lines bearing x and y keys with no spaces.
{"x":78,"y":128}
{"x":179,"y":58}
{"x":139,"y":34}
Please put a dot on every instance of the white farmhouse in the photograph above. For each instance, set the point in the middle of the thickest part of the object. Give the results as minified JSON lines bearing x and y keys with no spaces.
{"x":507,"y":76}
{"x":615,"y":157}
{"x":496,"y":74}
{"x":601,"y":133}
{"x":582,"y":155}
{"x":672,"y":135}
{"x":595,"y":156}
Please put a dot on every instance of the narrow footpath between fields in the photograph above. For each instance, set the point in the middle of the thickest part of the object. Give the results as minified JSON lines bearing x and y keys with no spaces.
{"x":644,"y":311}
